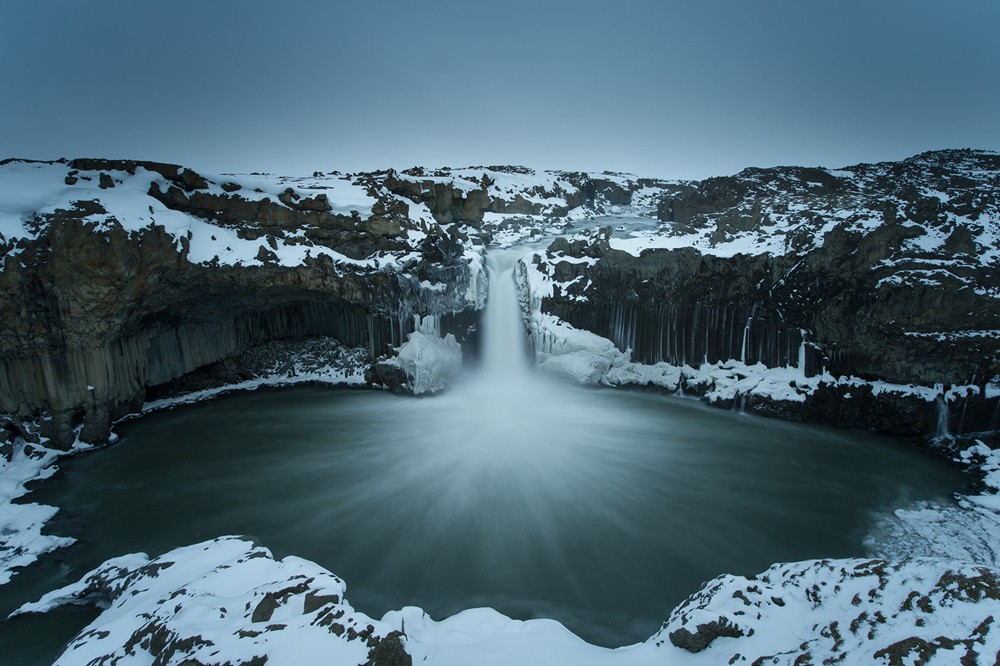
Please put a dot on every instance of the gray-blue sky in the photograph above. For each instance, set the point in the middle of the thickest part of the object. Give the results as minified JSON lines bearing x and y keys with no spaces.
{"x":673,"y":89}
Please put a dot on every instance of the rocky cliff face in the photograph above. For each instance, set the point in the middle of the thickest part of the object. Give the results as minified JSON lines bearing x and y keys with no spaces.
{"x":157,"y":271}
{"x":883,"y":273}
{"x":120,"y":276}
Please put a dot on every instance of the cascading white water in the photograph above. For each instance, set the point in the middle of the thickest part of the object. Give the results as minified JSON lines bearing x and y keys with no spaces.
{"x":942,"y":418}
{"x":503,"y":348}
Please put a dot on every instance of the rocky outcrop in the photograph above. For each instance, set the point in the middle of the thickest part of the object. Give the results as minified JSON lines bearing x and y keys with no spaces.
{"x":98,"y":308}
{"x":280,"y":611}
{"x":465,"y":196}
{"x":253,"y":609}
{"x":884,"y":285}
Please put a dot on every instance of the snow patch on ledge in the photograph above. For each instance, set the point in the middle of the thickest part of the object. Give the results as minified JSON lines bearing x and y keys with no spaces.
{"x":988,"y":463}
{"x":330,"y":376}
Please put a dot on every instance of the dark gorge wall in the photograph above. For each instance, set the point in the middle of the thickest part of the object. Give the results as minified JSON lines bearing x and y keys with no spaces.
{"x":860,"y":306}
{"x":93,"y":315}
{"x":683,"y":307}
{"x":104,"y":382}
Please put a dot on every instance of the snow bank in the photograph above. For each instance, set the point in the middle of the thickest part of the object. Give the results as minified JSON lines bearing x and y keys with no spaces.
{"x":579,"y":356}
{"x":842,"y":611}
{"x":21,"y":538}
{"x":229,"y":601}
{"x":220,"y":601}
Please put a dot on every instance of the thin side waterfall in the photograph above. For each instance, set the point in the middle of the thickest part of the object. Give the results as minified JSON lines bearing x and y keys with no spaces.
{"x":744,"y":345}
{"x":942,"y":418}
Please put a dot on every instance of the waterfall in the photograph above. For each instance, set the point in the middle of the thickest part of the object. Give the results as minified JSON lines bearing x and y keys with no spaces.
{"x":942,"y":418}
{"x":744,"y":345}
{"x":504,"y":352}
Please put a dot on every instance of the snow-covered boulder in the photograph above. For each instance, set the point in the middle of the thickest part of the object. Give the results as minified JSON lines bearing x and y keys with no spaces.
{"x":920,"y":611}
{"x":217,"y":602}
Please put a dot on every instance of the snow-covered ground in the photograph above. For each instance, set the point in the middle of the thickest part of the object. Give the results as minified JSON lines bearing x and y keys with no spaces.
{"x":29,"y":190}
{"x":794,"y":216}
{"x":21,"y":538}
{"x":229,"y":601}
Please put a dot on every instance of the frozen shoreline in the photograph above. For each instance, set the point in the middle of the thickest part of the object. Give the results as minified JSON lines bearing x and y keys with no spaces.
{"x":953,"y":542}
{"x":578,"y":356}
{"x":228,"y":601}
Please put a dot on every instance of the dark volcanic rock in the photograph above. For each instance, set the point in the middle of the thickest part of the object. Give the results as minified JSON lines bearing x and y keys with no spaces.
{"x":392,"y":377}
{"x":704,"y":635}
{"x":95,"y":314}
{"x":389,"y":651}
{"x":897,"y":290}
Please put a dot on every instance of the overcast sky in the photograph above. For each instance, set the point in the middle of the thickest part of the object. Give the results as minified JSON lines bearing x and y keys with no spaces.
{"x":672,"y":89}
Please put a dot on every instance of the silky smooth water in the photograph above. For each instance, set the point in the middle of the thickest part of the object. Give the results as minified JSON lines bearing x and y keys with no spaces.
{"x":600,"y":508}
